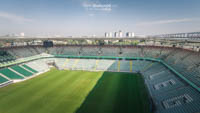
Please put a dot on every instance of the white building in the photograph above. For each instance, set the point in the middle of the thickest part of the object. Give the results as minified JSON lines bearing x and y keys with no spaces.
{"x":110,"y":35}
{"x":120,"y":34}
{"x":116,"y":35}
{"x":22,"y":34}
{"x":130,"y":34}
{"x":106,"y":35}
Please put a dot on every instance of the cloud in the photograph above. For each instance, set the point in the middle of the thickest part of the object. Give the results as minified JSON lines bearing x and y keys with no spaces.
{"x":13,"y":17}
{"x":98,"y":6}
{"x":168,"y":21}
{"x":91,"y":14}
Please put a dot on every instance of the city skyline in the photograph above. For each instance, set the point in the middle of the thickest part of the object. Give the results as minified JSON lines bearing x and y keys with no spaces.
{"x":95,"y":17}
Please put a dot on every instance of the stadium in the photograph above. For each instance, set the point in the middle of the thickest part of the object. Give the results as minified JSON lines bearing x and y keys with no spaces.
{"x":158,"y":74}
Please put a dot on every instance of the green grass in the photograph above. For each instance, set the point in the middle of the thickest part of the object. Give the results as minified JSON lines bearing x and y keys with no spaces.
{"x":52,"y":92}
{"x":76,"y":91}
{"x":117,"y":93}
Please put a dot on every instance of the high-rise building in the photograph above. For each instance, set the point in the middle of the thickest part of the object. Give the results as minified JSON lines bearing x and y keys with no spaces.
{"x":130,"y":34}
{"x":110,"y":35}
{"x":116,"y":34}
{"x":120,"y":34}
{"x":106,"y":34}
{"x":22,"y":34}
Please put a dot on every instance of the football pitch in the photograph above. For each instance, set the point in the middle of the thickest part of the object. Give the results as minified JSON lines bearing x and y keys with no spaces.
{"x":61,"y":91}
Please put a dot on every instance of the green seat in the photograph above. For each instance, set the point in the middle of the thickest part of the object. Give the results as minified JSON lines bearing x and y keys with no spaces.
{"x":2,"y":79}
{"x":29,"y":68}
{"x":10,"y":74}
{"x":21,"y":70}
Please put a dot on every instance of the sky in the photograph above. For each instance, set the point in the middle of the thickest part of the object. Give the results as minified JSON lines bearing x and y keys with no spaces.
{"x":95,"y":17}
